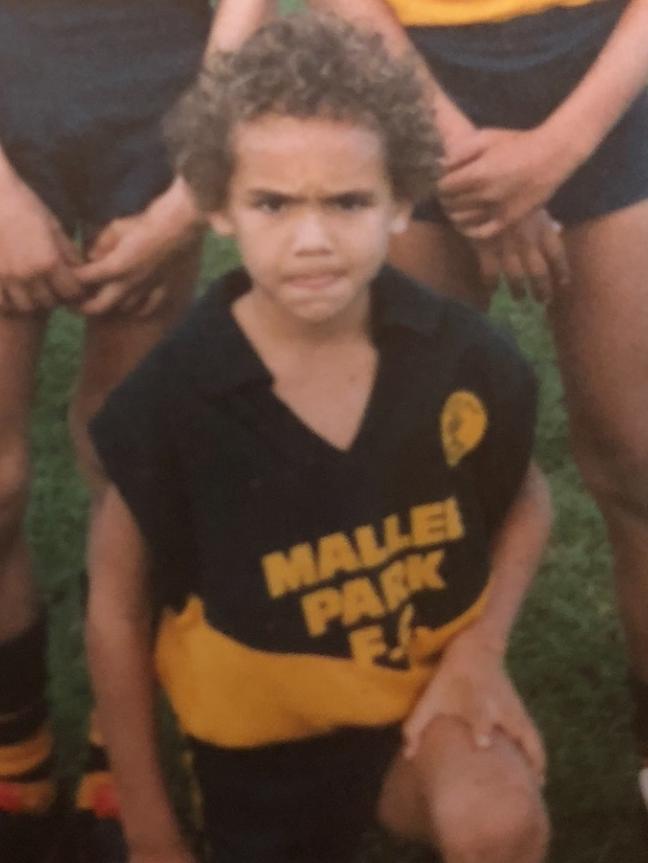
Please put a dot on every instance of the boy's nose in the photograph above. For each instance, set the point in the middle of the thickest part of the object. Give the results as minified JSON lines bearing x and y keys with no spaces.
{"x":311,"y":235}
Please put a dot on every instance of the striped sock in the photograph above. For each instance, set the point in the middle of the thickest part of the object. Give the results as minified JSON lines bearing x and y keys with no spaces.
{"x":96,"y":792}
{"x":27,"y":786}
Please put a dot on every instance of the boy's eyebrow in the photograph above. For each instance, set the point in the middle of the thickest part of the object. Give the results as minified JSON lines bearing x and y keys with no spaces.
{"x":363,"y":195}
{"x":359,"y":194}
{"x":271,"y":193}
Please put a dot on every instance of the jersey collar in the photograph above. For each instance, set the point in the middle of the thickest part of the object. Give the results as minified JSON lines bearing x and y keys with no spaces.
{"x":225,"y":361}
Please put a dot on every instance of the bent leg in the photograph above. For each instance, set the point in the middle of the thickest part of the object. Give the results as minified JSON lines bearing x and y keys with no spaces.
{"x":437,"y":256}
{"x":600,"y":324}
{"x":475,"y":805}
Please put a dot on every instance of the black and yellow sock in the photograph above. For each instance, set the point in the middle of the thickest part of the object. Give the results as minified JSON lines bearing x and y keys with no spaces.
{"x":96,"y":792}
{"x":27,"y":786}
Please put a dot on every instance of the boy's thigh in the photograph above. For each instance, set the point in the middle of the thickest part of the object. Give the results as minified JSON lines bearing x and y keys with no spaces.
{"x":453,"y":794}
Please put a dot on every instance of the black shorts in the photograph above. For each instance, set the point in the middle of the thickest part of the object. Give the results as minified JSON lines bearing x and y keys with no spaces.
{"x":513,"y":74}
{"x":304,"y":802}
{"x":85,"y":84}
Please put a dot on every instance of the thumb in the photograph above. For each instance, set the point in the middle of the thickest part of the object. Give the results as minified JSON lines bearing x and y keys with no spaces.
{"x":67,"y":249}
{"x":469,"y":149}
{"x":98,"y":271}
{"x":414,"y":727}
{"x":104,"y":242}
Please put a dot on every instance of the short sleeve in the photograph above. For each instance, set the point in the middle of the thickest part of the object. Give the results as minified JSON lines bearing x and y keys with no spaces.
{"x":133,"y":438}
{"x":501,"y":462}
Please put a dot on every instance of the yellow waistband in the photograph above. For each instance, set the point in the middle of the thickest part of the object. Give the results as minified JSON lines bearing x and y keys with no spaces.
{"x":444,"y":13}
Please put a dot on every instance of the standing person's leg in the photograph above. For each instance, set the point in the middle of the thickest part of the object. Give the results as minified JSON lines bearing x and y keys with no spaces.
{"x":114,"y":344}
{"x":436,"y":255}
{"x":27,"y":789}
{"x":474,"y":805}
{"x":600,"y":324}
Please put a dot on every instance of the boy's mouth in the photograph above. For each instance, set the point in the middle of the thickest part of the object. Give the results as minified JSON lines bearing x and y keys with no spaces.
{"x":314,"y":281}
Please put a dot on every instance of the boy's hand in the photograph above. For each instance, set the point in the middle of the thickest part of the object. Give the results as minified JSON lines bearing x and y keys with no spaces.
{"x":496,"y":176}
{"x":471,"y":685}
{"x":530,"y":254}
{"x":36,"y":256}
{"x":127,"y":257}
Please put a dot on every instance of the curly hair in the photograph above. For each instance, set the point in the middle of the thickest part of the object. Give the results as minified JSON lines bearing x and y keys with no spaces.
{"x":305,"y":65}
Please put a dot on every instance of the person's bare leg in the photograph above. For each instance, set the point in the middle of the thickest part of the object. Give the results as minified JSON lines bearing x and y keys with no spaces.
{"x":27,"y":786}
{"x":600,"y":324}
{"x":114,"y":344}
{"x":20,"y":343}
{"x":474,"y":805}
{"x":437,"y":256}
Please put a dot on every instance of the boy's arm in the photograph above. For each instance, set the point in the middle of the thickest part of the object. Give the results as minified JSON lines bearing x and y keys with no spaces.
{"x":507,"y":173}
{"x":471,"y":683}
{"x":36,"y":257}
{"x":118,"y":634}
{"x":129,"y":251}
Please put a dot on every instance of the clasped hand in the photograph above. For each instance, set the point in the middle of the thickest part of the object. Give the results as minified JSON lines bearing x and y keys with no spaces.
{"x":494,"y":187}
{"x":40,"y":266}
{"x":494,"y":177}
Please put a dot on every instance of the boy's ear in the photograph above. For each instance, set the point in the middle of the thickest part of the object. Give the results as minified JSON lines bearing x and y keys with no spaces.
{"x":401,"y":217}
{"x":221,"y":223}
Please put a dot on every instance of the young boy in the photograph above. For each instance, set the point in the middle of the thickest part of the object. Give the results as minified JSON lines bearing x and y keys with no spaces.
{"x":322,"y":517}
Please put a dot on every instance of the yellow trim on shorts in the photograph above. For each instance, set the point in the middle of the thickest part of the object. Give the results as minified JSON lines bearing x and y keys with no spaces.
{"x":447,"y":13}
{"x":23,"y":757}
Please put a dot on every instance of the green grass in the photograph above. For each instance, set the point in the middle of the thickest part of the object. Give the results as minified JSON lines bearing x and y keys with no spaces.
{"x":567,"y":654}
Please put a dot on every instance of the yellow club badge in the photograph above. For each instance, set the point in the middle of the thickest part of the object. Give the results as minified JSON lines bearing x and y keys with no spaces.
{"x":463,"y":425}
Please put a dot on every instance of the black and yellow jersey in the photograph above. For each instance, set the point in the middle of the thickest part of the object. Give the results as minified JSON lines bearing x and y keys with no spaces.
{"x":441,"y":13}
{"x":303,"y":589}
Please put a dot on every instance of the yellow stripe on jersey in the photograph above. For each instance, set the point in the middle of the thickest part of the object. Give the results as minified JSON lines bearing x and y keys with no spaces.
{"x":231,"y":695}
{"x":444,"y":13}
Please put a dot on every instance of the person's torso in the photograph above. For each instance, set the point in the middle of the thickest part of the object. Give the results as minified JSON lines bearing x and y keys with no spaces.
{"x":322,"y":584}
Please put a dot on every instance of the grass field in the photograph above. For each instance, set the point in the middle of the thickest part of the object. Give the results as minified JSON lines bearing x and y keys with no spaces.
{"x":567,"y":653}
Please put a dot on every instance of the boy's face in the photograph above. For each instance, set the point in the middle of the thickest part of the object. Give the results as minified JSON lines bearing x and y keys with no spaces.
{"x":312,"y":209}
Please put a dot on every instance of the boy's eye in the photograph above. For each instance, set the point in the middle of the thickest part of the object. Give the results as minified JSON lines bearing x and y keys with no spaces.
{"x":351,"y":201}
{"x":270,"y":203}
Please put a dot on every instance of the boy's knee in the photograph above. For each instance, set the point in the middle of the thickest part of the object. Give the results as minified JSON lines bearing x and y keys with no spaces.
{"x":512,"y":828}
